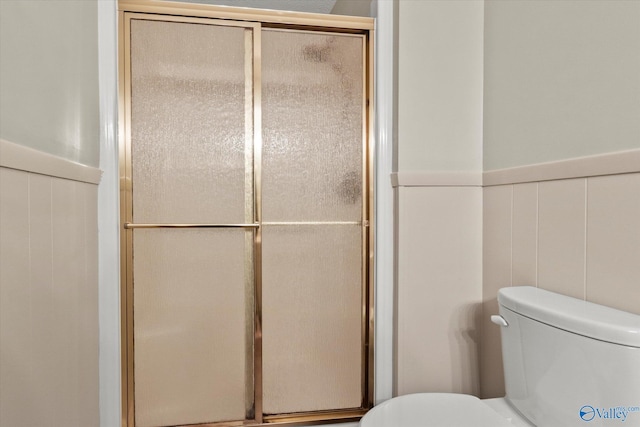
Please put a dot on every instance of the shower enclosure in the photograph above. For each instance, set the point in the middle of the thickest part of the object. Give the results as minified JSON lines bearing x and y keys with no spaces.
{"x":246,"y":194}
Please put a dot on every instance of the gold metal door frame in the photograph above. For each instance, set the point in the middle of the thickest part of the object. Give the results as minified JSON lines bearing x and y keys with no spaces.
{"x":127,"y":201}
{"x":253,"y":20}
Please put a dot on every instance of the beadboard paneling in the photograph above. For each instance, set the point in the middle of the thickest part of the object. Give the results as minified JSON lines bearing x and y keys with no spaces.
{"x":496,"y":272}
{"x":613,"y":242}
{"x":439,"y":289}
{"x":586,"y":244}
{"x":525,"y":235}
{"x":561,"y":236}
{"x":48,"y":298}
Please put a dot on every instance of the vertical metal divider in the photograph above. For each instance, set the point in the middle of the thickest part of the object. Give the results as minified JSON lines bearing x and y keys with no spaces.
{"x":257,"y":173}
{"x":249,"y":234}
{"x":127,"y":207}
{"x":365,"y":230}
{"x":370,"y":344}
{"x":122,"y":108}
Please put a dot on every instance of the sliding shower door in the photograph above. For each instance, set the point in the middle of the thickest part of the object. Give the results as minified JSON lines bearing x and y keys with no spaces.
{"x":245,"y":210}
{"x":312,"y":99}
{"x":192,"y":221}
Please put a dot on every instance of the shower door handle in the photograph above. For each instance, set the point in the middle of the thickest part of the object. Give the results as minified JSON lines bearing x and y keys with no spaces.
{"x":129,"y":225}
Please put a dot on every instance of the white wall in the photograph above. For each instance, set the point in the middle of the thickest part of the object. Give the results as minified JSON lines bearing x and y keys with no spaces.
{"x":48,"y":213}
{"x":440,"y":85}
{"x":562,"y":80}
{"x":49,"y":77}
{"x":438,"y":196}
{"x":353,"y":7}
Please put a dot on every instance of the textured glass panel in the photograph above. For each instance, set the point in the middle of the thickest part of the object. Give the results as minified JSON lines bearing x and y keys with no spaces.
{"x":192,"y":314}
{"x":311,"y":318}
{"x":188,"y":123}
{"x":312,"y":120}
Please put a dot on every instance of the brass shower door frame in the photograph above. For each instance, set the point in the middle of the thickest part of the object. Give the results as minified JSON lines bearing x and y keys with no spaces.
{"x":253,"y":20}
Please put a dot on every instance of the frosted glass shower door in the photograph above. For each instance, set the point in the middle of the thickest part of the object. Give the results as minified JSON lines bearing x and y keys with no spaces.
{"x":245,"y":178}
{"x":191,"y":225}
{"x":313,"y":166}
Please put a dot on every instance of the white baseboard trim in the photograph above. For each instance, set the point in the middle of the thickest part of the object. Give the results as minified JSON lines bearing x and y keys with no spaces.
{"x":16,"y":156}
{"x":621,"y":162}
{"x":436,"y":179}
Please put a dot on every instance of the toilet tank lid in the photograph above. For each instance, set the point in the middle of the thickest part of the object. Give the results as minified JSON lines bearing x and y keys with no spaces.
{"x":573,"y":315}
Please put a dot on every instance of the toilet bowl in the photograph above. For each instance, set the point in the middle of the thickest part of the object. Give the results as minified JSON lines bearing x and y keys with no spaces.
{"x":567,"y":363}
{"x":443,"y":410}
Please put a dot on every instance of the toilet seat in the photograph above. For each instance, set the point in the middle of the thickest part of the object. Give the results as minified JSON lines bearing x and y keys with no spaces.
{"x":434,"y":410}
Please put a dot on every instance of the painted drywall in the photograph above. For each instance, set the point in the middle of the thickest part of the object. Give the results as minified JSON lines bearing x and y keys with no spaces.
{"x":438,"y":213}
{"x":440,"y":58}
{"x":48,"y":224}
{"x":49,"y":77}
{"x":562,"y":80}
{"x":353,"y":7}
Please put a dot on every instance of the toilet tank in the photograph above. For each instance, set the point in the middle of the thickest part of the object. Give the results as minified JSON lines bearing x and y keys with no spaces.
{"x":568,"y":362}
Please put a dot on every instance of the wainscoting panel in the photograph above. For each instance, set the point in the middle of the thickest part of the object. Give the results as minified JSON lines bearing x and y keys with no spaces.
{"x":525,"y":234}
{"x":439,"y":289}
{"x":578,"y":237}
{"x":48,"y":301}
{"x":496,"y":274}
{"x":613,"y":241}
{"x":561,"y":236}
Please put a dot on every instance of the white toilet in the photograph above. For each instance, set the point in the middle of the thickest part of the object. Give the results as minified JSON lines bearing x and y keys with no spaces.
{"x":567,"y":363}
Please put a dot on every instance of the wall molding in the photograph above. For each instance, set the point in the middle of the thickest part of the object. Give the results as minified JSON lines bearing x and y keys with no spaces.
{"x":436,"y":179}
{"x":109,"y":219}
{"x":384,"y":236}
{"x":616,"y":163}
{"x":16,"y":156}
